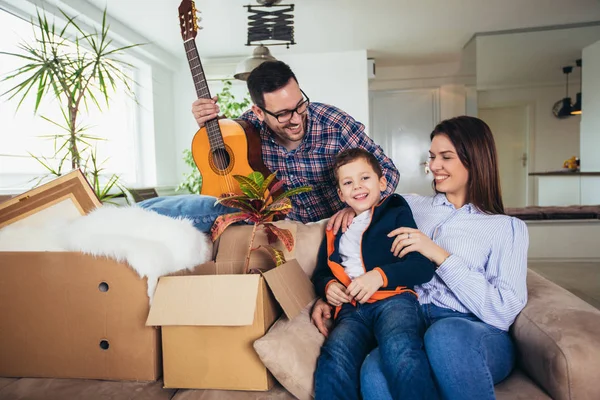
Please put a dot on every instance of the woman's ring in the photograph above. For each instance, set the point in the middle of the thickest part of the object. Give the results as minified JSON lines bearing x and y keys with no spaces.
{"x":409,"y":235}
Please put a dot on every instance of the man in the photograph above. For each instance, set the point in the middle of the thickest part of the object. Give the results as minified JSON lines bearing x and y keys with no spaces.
{"x":299,"y":139}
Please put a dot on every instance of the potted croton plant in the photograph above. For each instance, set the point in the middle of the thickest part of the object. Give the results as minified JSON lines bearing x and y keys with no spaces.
{"x":259,"y":207}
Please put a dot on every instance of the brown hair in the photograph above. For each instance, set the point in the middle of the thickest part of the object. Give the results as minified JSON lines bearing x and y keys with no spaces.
{"x":267,"y":78}
{"x":476,"y":150}
{"x":349,"y":155}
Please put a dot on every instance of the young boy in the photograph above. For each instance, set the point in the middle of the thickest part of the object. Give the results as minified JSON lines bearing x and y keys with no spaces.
{"x":371,"y":289}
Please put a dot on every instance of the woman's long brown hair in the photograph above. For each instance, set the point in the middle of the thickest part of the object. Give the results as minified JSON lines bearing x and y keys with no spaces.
{"x":476,"y":149}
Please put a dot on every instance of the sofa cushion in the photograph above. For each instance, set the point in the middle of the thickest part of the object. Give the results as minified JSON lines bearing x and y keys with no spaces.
{"x":558,"y":339}
{"x":308,"y":239}
{"x":290,"y":350}
{"x":519,"y":386}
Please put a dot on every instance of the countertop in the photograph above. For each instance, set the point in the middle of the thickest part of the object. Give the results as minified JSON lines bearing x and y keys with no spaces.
{"x":564,"y":172}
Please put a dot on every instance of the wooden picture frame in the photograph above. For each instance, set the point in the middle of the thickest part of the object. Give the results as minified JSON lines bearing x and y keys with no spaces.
{"x":72,"y":188}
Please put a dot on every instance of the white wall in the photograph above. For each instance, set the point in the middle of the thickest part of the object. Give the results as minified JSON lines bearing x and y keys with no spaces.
{"x":451,"y":78}
{"x":164,"y":127}
{"x":590,"y":118}
{"x":339,"y":79}
{"x":564,"y":240}
{"x":554,"y":140}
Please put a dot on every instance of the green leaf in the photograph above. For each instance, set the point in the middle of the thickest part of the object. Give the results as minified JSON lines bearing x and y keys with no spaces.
{"x":257,"y":177}
{"x":249,"y":186}
{"x":267,"y":182}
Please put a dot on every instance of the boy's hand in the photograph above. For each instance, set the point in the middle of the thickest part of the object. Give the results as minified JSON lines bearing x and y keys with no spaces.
{"x":341,"y":219}
{"x":363,"y":287}
{"x":336,"y":294}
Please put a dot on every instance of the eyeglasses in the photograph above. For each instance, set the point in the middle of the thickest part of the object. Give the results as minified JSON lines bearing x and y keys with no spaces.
{"x":286,"y":115}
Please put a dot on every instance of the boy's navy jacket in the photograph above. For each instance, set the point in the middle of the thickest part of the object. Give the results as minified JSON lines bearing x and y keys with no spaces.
{"x":399,"y":274}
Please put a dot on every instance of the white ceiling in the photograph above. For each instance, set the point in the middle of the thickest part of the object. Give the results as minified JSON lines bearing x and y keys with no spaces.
{"x":393,"y":31}
{"x":532,"y":57}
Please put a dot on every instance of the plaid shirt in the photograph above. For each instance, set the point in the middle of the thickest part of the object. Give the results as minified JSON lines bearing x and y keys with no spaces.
{"x":329,"y":131}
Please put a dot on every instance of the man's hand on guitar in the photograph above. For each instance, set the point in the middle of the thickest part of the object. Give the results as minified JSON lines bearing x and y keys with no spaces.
{"x":205,"y":110}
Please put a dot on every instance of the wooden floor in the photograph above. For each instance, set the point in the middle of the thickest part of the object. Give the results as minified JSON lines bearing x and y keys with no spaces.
{"x":87,"y":389}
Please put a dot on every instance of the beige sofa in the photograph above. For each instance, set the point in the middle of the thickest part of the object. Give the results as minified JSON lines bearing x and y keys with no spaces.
{"x":557,"y":335}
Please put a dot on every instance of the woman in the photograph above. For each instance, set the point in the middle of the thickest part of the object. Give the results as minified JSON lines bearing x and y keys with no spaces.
{"x":481,"y":256}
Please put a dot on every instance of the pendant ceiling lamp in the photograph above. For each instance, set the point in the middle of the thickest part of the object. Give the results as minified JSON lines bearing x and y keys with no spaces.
{"x":260,"y":54}
{"x":576,"y":110}
{"x":562,"y":108}
{"x":269,"y":24}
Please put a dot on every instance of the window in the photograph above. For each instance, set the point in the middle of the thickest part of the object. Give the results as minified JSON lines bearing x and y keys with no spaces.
{"x":22,"y":133}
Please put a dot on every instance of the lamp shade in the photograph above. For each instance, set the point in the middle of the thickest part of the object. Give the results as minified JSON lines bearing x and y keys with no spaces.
{"x":576,"y":109}
{"x":259,"y":55}
{"x":565,"y":110}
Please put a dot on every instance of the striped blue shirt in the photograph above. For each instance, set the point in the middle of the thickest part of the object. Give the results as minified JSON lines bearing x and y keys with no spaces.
{"x":487,"y":268}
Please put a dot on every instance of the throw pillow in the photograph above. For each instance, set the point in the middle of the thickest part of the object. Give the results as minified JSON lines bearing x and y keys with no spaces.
{"x":290,"y":350}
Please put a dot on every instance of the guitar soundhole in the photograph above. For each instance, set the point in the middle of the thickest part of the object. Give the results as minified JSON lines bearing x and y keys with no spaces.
{"x":220,"y":161}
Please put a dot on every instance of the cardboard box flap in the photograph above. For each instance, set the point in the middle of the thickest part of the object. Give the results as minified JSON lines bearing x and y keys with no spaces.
{"x":209,"y":300}
{"x":291,"y":287}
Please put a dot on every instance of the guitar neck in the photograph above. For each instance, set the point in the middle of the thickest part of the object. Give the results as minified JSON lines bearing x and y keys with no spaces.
{"x":212,"y":127}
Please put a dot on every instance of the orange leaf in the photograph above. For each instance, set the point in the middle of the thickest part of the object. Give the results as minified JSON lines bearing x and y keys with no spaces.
{"x":223,"y":221}
{"x":277,"y":186}
{"x":271,"y":236}
{"x":276,"y":255}
{"x":280,"y":205}
{"x":239,"y":202}
{"x":283,"y":234}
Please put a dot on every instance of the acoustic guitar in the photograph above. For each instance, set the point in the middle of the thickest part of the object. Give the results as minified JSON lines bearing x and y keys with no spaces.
{"x":222,"y":148}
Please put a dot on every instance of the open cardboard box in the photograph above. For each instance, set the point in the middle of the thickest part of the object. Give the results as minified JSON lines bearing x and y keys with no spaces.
{"x":67,"y":314}
{"x":210,"y":322}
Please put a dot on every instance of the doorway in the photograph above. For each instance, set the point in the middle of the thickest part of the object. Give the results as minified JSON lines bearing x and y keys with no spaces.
{"x":401,"y":122}
{"x":510,"y":127}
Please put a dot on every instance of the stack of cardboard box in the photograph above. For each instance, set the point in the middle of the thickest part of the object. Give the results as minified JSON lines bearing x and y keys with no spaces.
{"x":70,"y":315}
{"x":67,"y":314}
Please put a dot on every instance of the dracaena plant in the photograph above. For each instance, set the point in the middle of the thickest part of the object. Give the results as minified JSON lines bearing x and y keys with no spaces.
{"x":79,"y":69}
{"x":258,"y":206}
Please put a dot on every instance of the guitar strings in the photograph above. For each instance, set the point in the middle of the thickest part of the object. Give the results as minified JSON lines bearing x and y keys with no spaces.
{"x":203,"y":91}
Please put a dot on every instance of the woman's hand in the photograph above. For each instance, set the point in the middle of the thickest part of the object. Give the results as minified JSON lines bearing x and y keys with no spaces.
{"x":409,"y":239}
{"x":320,"y":315}
{"x":336,"y":294}
{"x":342,"y":218}
{"x":363,"y":287}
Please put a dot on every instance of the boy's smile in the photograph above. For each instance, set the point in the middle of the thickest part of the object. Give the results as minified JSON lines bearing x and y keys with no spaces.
{"x":359,"y":186}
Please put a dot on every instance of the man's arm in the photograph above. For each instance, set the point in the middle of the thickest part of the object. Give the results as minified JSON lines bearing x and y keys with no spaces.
{"x":353,"y":135}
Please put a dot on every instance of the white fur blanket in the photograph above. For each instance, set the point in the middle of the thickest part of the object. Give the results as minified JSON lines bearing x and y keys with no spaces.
{"x":153,"y":245}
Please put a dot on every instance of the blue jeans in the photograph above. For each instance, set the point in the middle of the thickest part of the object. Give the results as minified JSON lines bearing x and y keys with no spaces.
{"x":199,"y":208}
{"x":467,"y":357}
{"x":397,"y":325}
